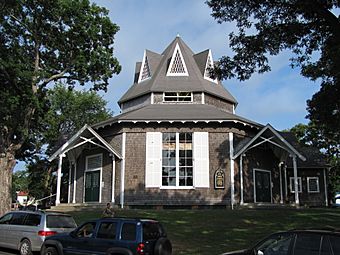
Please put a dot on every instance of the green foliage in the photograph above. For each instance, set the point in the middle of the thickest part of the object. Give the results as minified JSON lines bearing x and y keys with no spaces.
{"x":42,"y":42}
{"x":311,"y":30}
{"x":20,"y":181}
{"x":69,"y":111}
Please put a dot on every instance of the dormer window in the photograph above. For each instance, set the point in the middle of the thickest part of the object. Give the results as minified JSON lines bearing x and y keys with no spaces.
{"x":177,"y":97}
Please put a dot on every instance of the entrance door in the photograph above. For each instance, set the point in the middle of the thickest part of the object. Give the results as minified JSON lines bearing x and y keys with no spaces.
{"x":92,"y":186}
{"x":262,"y":186}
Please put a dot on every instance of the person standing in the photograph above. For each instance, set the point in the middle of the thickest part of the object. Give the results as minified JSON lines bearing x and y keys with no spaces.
{"x":108,"y":212}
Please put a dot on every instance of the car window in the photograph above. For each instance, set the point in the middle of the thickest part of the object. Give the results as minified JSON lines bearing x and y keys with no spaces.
{"x":60,"y":221}
{"x":6,"y":218}
{"x":335,"y":243}
{"x":151,"y":231}
{"x":129,"y":231}
{"x":86,"y":230}
{"x":32,"y":219}
{"x":276,"y":244}
{"x":18,"y":219}
{"x":107,"y":230}
{"x":307,"y":244}
{"x":325,"y":246}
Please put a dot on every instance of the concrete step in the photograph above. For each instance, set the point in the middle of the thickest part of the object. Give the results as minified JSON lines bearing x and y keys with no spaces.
{"x":78,"y":207}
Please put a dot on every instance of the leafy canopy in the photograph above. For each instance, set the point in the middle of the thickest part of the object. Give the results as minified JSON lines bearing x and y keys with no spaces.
{"x":310,"y":29}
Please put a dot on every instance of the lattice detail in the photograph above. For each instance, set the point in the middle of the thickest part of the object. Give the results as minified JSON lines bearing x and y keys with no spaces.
{"x":146,"y":70}
{"x":177,"y":65}
{"x":209,"y":65}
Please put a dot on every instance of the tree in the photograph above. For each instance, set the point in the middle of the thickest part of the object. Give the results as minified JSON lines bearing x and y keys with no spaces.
{"x":69,"y":110}
{"x":19,"y":182}
{"x":42,"y":42}
{"x":309,"y":28}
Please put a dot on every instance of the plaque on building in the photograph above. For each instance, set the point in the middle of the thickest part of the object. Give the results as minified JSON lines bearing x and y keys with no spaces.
{"x":219,"y":179}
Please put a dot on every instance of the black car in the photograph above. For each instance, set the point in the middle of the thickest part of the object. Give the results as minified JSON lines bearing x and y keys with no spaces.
{"x":111,"y":236}
{"x":296,"y":242}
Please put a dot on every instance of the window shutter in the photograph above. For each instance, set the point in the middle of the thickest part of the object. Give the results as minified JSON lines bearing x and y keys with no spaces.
{"x":153,"y":168}
{"x":201,"y":159}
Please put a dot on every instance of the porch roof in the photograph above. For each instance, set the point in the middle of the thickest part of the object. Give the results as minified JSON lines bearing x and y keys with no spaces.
{"x":267,"y":135}
{"x":85,"y":135}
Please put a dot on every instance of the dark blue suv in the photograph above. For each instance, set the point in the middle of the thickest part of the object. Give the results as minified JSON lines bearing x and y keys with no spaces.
{"x":111,"y":236}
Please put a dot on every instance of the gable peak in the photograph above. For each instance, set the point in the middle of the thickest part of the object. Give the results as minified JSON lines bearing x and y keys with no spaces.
{"x":208,"y":66}
{"x":177,"y":65}
{"x":144,"y":69}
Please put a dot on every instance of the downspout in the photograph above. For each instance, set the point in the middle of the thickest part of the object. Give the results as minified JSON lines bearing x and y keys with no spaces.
{"x":122,"y":175}
{"x":74,"y":182}
{"x":232,"y":170}
{"x":281,"y":188}
{"x":69,"y":182}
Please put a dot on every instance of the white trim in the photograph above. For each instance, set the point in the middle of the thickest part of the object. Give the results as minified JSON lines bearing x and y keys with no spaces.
{"x":152,"y":98}
{"x":145,"y":60}
{"x":113,"y":179}
{"x":292,"y":183}
{"x":60,"y":164}
{"x":325,"y":186}
{"x":177,"y":48}
{"x":209,"y":57}
{"x":281,"y":188}
{"x":286,"y":182}
{"x":233,"y":108}
{"x":241,"y":178}
{"x":74,"y":181}
{"x":270,"y":183}
{"x":203,"y":98}
{"x":317,"y":184}
{"x":232,"y":170}
{"x":100,"y":169}
{"x":177,"y":97}
{"x":69,"y":183}
{"x":297,"y":202}
{"x":122,"y":175}
{"x":177,"y":187}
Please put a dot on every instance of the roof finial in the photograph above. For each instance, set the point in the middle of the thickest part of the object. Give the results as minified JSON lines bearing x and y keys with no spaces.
{"x":177,"y":35}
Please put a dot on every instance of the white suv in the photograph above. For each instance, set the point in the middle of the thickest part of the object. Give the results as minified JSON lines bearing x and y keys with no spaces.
{"x":26,"y":230}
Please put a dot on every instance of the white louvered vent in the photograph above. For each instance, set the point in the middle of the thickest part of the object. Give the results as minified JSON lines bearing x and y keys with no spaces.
{"x":209,"y":64}
{"x":177,"y":65}
{"x":145,"y":69}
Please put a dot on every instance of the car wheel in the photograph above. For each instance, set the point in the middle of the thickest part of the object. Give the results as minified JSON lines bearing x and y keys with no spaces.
{"x":25,"y":247}
{"x":163,"y":247}
{"x":51,"y":251}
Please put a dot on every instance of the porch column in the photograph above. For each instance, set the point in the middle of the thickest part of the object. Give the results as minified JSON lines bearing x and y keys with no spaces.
{"x":296,"y":184}
{"x":122,"y":174}
{"x":231,"y":154}
{"x":281,"y":189}
{"x":74,"y":182}
{"x":57,"y":202}
{"x":69,"y":181}
{"x":325,"y":186}
{"x":113,"y":178}
{"x":286,"y":185}
{"x":241,"y":178}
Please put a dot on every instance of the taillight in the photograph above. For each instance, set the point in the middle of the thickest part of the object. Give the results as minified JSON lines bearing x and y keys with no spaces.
{"x":46,"y":233}
{"x":140,"y":249}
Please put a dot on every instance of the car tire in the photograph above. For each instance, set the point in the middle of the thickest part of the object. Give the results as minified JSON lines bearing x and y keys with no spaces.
{"x":163,"y":247}
{"x":51,"y":251}
{"x":25,"y":247}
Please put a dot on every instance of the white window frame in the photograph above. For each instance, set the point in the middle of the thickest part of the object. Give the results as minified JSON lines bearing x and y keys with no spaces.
{"x":291,"y":184}
{"x":317,"y":184}
{"x":177,"y":97}
{"x":169,"y":73}
{"x":177,"y":186}
{"x":100,"y":169}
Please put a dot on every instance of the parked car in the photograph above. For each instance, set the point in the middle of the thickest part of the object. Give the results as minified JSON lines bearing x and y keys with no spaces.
{"x":296,"y":242}
{"x":26,"y":230}
{"x":123,"y":236}
{"x":337,"y":199}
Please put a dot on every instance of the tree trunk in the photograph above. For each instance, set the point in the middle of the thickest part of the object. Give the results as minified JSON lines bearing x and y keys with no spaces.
{"x":7,"y":163}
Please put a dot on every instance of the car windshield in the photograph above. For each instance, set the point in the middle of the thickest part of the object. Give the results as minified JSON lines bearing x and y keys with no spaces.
{"x":60,"y":221}
{"x":275,"y":245}
{"x":152,"y":231}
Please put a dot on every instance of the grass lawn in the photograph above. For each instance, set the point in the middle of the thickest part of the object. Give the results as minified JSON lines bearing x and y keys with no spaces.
{"x":214,"y":231}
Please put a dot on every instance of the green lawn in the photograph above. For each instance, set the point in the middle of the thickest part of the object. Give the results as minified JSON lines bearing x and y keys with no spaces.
{"x":214,"y":231}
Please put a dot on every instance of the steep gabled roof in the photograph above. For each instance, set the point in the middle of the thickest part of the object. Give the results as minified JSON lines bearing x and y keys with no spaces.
{"x":161,"y":82}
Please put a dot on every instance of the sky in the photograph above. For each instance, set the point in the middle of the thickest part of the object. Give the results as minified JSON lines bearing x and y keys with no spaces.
{"x":277,"y":97}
